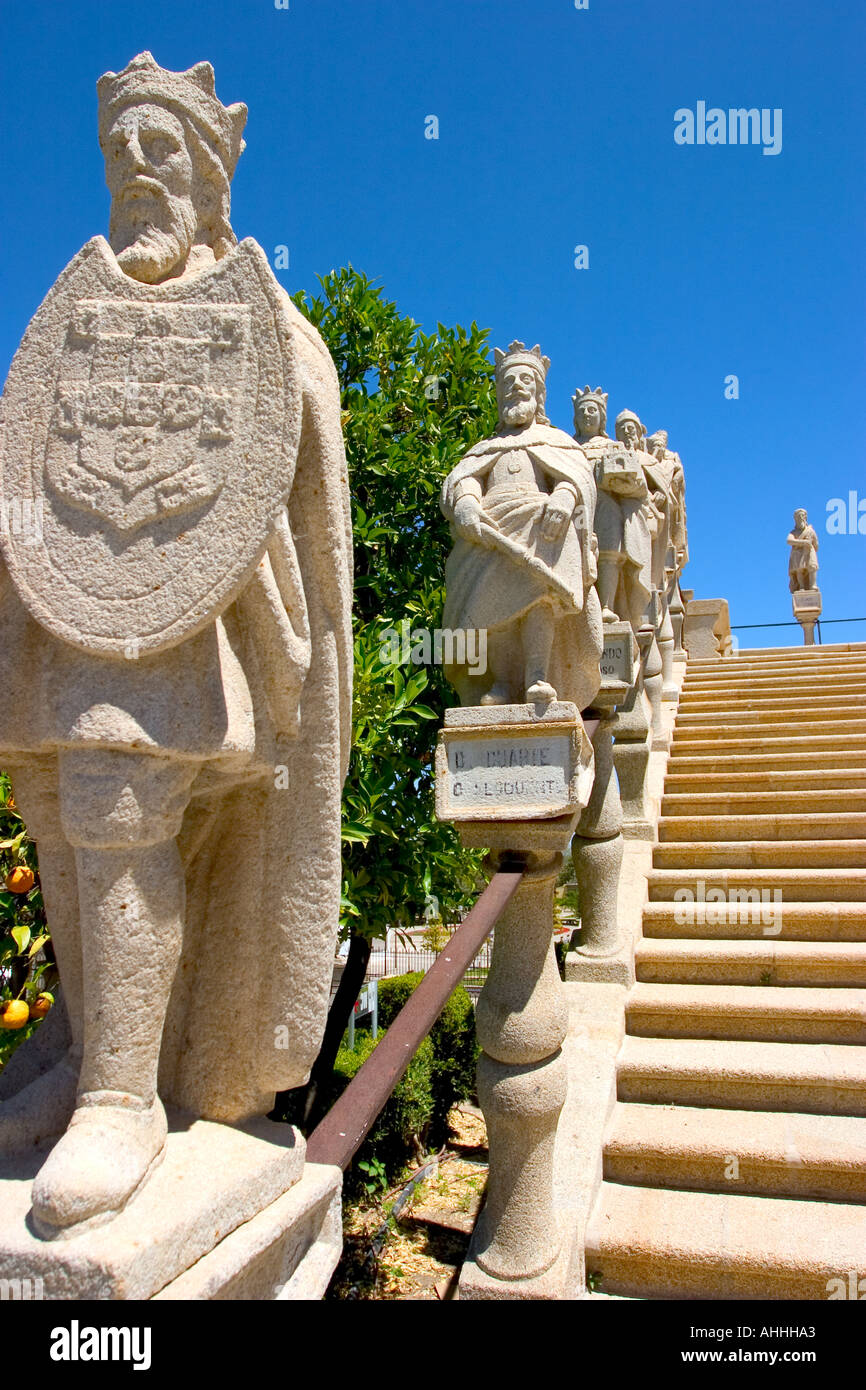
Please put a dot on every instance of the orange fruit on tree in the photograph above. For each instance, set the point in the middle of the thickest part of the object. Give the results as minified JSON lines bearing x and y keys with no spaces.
{"x":14,"y":1013}
{"x":41,"y":1004}
{"x":20,"y":879}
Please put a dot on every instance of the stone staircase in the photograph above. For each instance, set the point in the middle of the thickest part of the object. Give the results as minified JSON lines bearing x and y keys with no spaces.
{"x":735,"y":1158}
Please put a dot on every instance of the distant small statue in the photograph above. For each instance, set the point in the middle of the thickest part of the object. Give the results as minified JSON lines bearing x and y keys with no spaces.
{"x":521,"y":507}
{"x":803,"y":564}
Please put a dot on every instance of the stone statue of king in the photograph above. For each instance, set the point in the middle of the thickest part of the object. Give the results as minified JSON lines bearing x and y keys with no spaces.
{"x":521,"y":507}
{"x":175,"y":660}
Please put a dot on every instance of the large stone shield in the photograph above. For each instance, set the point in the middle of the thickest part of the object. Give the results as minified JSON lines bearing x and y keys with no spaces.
{"x":150,"y":438}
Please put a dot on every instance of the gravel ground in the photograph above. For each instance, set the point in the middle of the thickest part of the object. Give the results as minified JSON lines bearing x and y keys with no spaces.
{"x":417,"y":1254}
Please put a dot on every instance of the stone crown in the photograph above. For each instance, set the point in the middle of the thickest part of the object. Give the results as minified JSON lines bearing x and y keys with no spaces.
{"x":190,"y":93}
{"x":518,"y":352}
{"x":599,"y":396}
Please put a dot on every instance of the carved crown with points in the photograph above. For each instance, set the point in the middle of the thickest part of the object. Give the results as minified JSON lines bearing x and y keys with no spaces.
{"x":599,"y":396}
{"x":518,"y":352}
{"x":189,"y":93}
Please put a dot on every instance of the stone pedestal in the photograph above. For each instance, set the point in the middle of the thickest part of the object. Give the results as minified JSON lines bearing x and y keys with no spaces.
{"x":597,"y":847}
{"x":189,"y":1230}
{"x":806,"y":606}
{"x":631,"y":755}
{"x":707,"y":628}
{"x":677,"y":610}
{"x":653,"y":682}
{"x":670,"y":689}
{"x":495,"y":767}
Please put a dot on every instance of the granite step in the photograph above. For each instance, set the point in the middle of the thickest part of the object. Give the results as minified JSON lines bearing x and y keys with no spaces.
{"x":765,"y":744}
{"x":764,"y":961}
{"x":651,"y":1243}
{"x":794,"y":649}
{"x":800,"y":658}
{"x":775,"y":779}
{"x":819,"y":1078}
{"x":742,"y":676}
{"x":773,"y":1153}
{"x":799,"y":921}
{"x":803,"y":885}
{"x":787,"y":694}
{"x":748,"y":1013}
{"x":796,"y":886}
{"x":775,"y":854}
{"x":716,"y":803}
{"x":733,"y":734}
{"x":806,"y":758}
{"x":818,"y":717}
{"x":741,"y":672}
{"x":820,"y":825}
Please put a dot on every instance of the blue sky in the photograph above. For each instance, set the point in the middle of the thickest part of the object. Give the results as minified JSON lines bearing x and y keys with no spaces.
{"x":556,"y":129}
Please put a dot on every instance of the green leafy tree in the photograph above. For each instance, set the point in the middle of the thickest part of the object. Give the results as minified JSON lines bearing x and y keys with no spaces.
{"x":413,"y":404}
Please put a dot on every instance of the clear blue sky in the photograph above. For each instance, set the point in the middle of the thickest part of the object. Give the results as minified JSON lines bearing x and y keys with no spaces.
{"x":555,"y":129}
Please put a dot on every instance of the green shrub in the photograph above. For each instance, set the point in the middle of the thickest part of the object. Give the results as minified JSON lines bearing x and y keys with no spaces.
{"x":404,"y":1122}
{"x":455,"y":1050}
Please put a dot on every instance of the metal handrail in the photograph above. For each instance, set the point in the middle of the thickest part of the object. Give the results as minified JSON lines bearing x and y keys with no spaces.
{"x":340,"y":1134}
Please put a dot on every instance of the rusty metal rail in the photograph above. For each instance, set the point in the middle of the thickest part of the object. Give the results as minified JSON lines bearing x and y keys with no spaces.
{"x":345,"y":1126}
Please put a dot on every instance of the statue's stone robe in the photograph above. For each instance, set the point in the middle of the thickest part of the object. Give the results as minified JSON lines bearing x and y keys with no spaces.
{"x":493,"y":589}
{"x":804,"y":556}
{"x":622,"y":527}
{"x":259,"y":704}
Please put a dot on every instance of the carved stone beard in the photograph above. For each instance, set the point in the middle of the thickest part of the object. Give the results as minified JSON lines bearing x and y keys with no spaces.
{"x":152,"y":234}
{"x":520,"y":413}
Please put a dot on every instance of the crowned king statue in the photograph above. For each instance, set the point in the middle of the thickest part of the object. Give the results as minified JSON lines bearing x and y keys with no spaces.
{"x":175,"y":660}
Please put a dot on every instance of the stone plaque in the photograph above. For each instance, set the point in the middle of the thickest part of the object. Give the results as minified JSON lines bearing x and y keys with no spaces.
{"x":806,"y":601}
{"x":617,"y":658}
{"x":497,"y":769}
{"x":622,"y":473}
{"x":617,"y":665}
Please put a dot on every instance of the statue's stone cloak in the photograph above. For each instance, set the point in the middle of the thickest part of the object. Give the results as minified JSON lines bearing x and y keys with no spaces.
{"x":621,"y":523}
{"x":260,"y":695}
{"x":487,"y":588}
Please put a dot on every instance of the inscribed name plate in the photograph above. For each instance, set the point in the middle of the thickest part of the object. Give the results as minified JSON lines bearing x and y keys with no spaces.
{"x":616,"y":659}
{"x":506,"y":775}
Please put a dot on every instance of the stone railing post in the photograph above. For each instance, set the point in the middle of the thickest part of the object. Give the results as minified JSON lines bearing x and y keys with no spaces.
{"x":514,"y":778}
{"x":522,"y":1081}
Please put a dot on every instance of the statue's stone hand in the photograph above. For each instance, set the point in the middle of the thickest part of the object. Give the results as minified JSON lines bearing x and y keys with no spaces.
{"x":557,"y":512}
{"x":554,"y":523}
{"x":467,"y":519}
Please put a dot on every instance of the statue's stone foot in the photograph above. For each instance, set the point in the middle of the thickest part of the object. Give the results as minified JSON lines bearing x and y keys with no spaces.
{"x":608,"y":616}
{"x":113,"y":1143}
{"x":498,"y":694}
{"x":540,"y":693}
{"x":40,"y":1110}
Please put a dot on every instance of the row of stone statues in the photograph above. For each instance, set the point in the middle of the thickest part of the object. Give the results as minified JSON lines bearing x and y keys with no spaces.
{"x":175,"y":648}
{"x":567,"y":552}
{"x":555,"y":536}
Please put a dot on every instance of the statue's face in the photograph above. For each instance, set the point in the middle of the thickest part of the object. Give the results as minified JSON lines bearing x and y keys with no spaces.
{"x":149,"y":172}
{"x":517,"y":395}
{"x":799,"y":519}
{"x":628,"y":433}
{"x":587,"y":418}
